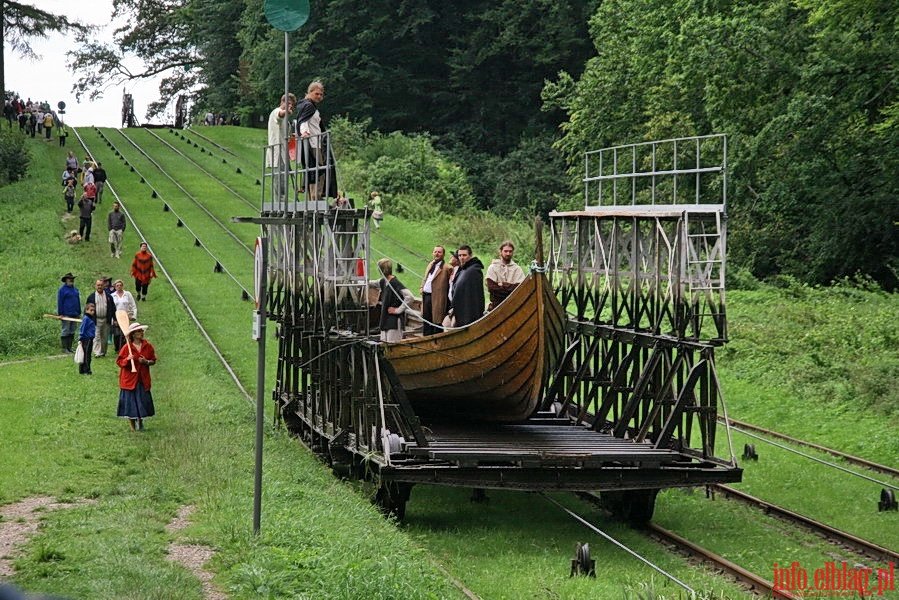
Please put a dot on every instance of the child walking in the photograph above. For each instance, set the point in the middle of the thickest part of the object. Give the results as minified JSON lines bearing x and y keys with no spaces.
{"x":86,"y":338}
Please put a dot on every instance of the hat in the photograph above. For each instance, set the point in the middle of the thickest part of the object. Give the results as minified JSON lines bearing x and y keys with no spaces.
{"x":90,"y":169}
{"x":136,"y":326}
{"x":67,"y":276}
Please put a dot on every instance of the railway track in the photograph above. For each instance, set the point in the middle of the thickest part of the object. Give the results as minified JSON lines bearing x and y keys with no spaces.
{"x":753,"y":582}
{"x":854,"y":460}
{"x":182,"y":221}
{"x":852,"y":542}
{"x":160,"y":265}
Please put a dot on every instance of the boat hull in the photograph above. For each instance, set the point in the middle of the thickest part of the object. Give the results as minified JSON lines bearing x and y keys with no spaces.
{"x":492,"y":370}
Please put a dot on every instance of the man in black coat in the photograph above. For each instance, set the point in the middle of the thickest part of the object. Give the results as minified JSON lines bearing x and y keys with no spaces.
{"x":468,"y":294}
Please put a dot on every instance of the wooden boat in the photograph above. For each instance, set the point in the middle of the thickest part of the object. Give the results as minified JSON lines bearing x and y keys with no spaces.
{"x":491,"y":370}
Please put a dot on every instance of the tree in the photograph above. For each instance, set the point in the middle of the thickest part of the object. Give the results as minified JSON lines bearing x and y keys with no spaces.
{"x":21,"y":22}
{"x":161,"y":38}
{"x":807,"y":91}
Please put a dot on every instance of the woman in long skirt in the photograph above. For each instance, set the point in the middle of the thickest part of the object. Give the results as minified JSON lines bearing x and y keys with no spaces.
{"x":134,"y":360}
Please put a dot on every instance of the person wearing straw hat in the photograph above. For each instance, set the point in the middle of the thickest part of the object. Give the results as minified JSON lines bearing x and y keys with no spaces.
{"x":134,"y":361}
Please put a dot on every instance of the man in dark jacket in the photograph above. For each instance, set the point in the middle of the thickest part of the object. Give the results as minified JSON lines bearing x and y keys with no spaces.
{"x":99,"y":181}
{"x":468,"y":294}
{"x":68,"y":304}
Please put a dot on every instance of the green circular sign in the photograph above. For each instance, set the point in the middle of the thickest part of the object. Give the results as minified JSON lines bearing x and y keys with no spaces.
{"x":287,"y":15}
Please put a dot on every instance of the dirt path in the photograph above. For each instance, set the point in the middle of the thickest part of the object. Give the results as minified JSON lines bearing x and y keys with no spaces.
{"x":20,"y":521}
{"x":192,"y":556}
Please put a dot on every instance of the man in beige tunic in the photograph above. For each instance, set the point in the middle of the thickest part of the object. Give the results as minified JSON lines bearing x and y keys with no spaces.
{"x":503,"y":275}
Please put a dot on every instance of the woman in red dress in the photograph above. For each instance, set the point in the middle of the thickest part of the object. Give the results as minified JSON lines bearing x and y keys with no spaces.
{"x":134,"y":361}
{"x":142,"y":270}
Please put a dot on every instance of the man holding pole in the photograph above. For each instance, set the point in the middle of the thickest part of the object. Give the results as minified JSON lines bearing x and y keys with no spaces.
{"x":68,"y":304}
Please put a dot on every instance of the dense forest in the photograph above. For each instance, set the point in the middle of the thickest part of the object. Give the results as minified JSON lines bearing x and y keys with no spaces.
{"x":515,"y":92}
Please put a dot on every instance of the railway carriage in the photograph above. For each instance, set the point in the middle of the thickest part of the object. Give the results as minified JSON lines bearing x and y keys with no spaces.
{"x":625,"y":400}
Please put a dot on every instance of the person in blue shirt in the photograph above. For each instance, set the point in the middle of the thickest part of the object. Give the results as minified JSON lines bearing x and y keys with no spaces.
{"x":86,"y":338}
{"x":68,"y":304}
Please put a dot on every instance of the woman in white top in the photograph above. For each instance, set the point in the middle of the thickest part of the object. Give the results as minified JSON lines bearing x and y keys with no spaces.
{"x":123,"y":301}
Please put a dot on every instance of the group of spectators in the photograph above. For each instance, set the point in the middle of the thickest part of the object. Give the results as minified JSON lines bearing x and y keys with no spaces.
{"x":91,"y":177}
{"x":220,"y":119}
{"x":452,"y":294}
{"x":34,"y":118}
{"x":99,"y":326}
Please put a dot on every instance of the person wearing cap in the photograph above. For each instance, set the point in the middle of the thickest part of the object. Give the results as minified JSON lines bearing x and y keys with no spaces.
{"x":68,"y":304}
{"x":134,"y":361}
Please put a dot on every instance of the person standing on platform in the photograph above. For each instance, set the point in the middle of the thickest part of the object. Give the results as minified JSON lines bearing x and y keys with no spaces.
{"x":315,"y":155}
{"x":503,"y":275}
{"x":275,"y":157}
{"x":143,"y":271}
{"x":468,"y":294}
{"x":68,"y":304}
{"x":134,"y":360}
{"x":435,"y":292}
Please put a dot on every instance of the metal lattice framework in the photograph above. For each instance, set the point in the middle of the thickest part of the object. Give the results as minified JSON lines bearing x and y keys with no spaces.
{"x":641,"y":272}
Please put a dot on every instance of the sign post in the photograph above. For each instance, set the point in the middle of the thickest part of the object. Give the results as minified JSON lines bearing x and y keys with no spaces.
{"x":286,"y":16}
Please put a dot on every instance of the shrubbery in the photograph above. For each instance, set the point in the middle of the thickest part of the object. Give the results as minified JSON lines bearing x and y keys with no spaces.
{"x":13,"y":156}
{"x":415,"y":180}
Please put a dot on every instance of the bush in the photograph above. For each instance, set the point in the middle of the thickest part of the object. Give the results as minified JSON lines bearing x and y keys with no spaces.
{"x":415,"y":180}
{"x":14,"y":156}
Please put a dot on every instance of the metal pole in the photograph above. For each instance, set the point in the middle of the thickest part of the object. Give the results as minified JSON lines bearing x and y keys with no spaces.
{"x":285,"y":156}
{"x":261,"y":316}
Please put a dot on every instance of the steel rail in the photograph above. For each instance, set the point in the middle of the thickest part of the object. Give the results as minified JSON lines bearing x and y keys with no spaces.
{"x":597,"y":530}
{"x":160,"y":265}
{"x":181,"y":220}
{"x":211,"y":142}
{"x":756,"y":582}
{"x":190,"y":196}
{"x":816,"y":459}
{"x":197,"y":165}
{"x":862,"y":462}
{"x":858,"y":544}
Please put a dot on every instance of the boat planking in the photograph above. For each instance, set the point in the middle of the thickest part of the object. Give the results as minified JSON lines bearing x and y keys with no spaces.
{"x":494,"y":369}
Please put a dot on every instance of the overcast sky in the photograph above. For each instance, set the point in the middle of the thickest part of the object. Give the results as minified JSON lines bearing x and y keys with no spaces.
{"x":48,"y":78}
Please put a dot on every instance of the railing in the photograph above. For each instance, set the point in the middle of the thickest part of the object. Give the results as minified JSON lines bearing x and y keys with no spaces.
{"x":679,"y":171}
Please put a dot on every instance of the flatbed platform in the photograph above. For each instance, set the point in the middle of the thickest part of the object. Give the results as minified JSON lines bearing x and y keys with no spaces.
{"x":547,"y":454}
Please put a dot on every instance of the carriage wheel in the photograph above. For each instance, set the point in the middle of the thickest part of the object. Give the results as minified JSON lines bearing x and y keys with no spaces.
{"x":391,"y":498}
{"x":634,"y":506}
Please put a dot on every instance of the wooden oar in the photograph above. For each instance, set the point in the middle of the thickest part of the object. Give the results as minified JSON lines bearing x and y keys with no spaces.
{"x":49,"y":316}
{"x":121,"y":317}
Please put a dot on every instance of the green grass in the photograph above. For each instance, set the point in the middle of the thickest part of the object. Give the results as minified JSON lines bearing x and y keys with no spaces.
{"x":61,"y":438}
